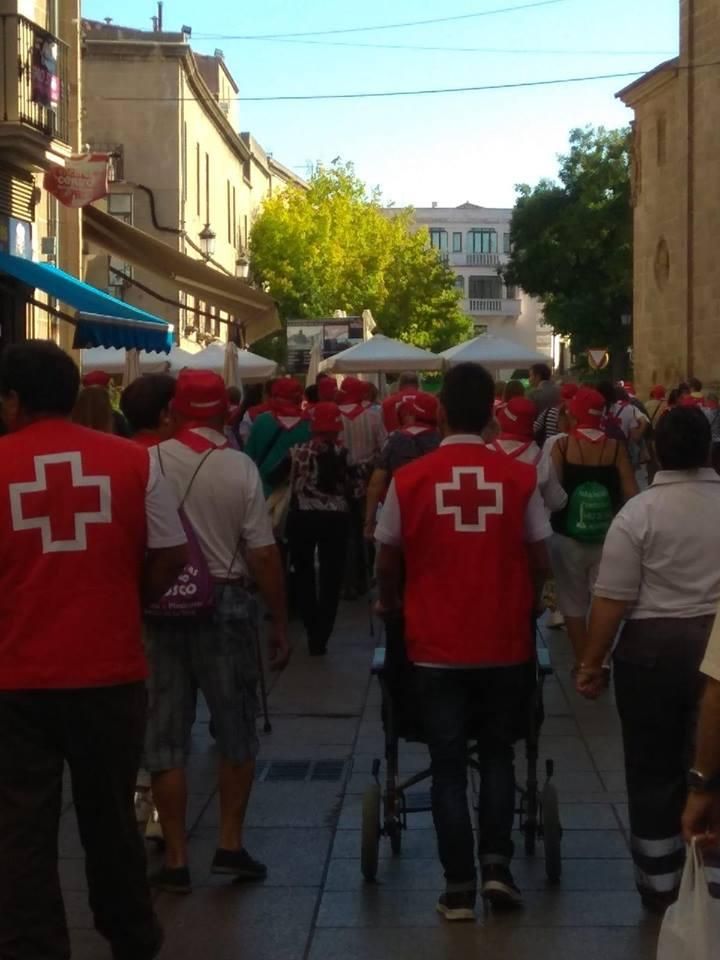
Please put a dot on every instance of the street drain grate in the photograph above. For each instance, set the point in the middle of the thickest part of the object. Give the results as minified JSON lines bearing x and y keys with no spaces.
{"x":301,"y":771}
{"x":329,"y":771}
{"x":288,"y":771}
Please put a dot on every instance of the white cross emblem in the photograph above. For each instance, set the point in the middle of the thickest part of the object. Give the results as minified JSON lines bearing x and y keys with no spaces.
{"x":81,"y":518}
{"x":468,"y":499}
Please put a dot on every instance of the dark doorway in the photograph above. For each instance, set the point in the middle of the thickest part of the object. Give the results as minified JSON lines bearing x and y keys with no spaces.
{"x":13,"y":311}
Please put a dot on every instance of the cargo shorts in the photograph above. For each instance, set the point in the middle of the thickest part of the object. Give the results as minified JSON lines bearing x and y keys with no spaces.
{"x":216,"y":655}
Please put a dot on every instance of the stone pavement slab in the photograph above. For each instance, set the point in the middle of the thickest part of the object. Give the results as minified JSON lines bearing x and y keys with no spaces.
{"x":315,"y":904}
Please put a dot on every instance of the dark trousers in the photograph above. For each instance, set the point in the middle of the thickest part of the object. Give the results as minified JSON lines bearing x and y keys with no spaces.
{"x":356,"y":568}
{"x":657,"y":688}
{"x":98,"y":732}
{"x":490,"y":705}
{"x":318,"y":596}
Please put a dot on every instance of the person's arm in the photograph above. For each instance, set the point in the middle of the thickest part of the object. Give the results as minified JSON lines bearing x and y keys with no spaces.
{"x":537,"y":532}
{"x":167,"y":551}
{"x":266,"y":569}
{"x":628,"y":481}
{"x":640,"y":427}
{"x":161,"y":569}
{"x":551,"y":489}
{"x":617,"y":588}
{"x":702,"y":812}
{"x":376,"y":488}
{"x":540,"y":569}
{"x":390,"y":560}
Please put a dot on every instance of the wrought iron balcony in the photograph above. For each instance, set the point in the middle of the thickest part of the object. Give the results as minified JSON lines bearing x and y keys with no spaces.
{"x":34,"y":87}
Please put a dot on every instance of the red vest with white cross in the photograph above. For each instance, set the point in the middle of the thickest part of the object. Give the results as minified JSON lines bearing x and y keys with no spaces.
{"x":72,"y":545}
{"x":468,"y":590}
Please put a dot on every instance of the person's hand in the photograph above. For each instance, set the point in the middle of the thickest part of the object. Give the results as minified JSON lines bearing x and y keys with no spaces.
{"x":591,"y":682}
{"x":279,"y":646}
{"x":369,"y":531}
{"x":701,"y":819}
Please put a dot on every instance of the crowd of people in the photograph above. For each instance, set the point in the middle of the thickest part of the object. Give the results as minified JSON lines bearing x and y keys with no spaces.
{"x":209,"y":505}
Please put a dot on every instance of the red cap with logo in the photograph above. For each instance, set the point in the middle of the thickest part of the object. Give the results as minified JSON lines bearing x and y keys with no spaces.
{"x":658,"y":392}
{"x":568,"y":391}
{"x":422,"y":406}
{"x":200,"y":395}
{"x":326,"y":418}
{"x":587,"y":407}
{"x":96,"y":378}
{"x":516,"y":417}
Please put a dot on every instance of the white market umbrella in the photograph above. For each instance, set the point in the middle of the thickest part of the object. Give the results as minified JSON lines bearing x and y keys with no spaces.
{"x":381,"y":354}
{"x":249,"y":366}
{"x":495,"y":353}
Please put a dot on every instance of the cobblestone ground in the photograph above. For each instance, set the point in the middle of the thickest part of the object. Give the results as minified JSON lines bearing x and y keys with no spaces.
{"x":304,"y":822}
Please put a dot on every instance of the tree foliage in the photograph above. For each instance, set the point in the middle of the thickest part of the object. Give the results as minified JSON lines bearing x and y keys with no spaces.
{"x":331,"y":247}
{"x":572,"y":240}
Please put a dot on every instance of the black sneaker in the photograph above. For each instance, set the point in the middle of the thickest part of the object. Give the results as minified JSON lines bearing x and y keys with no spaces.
{"x":171,"y":880}
{"x":457,"y":906}
{"x":499,"y":888}
{"x":239,"y":864}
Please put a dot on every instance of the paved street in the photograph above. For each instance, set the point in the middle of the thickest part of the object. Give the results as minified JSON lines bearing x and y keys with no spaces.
{"x":304,"y":822}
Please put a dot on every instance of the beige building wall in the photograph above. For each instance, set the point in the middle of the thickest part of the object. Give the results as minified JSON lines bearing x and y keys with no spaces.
{"x":677,"y":207}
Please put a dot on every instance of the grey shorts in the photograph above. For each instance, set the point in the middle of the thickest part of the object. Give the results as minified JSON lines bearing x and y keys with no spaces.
{"x":576,"y":567}
{"x":217,"y":656}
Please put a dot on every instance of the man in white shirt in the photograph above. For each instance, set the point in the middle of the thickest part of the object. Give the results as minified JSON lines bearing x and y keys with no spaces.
{"x":222,"y":497}
{"x":658,"y":573}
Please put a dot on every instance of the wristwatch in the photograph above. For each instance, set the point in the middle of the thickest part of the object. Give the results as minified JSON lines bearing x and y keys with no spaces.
{"x":700,"y":783}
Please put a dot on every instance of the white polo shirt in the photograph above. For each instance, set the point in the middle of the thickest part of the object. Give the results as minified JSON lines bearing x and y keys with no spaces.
{"x":661,"y":551}
{"x":389,"y":528}
{"x":226,"y":505}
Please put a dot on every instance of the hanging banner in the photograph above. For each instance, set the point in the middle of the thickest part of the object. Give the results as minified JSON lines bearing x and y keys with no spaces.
{"x":83,"y":179}
{"x":44,"y":79}
{"x":598,"y":359}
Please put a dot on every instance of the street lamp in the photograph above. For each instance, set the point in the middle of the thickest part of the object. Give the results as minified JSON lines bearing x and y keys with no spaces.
{"x":242,"y":267}
{"x":207,"y":241}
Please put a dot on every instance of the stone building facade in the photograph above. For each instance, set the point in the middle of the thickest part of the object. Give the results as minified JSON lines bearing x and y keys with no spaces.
{"x":676,"y":194}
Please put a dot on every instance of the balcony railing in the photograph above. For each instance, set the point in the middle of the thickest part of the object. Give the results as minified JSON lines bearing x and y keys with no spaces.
{"x":34,"y":77}
{"x":494,"y":307}
{"x":482,"y":260}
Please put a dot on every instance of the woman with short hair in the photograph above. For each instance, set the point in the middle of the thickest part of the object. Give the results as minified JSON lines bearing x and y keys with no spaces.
{"x":659,"y":574}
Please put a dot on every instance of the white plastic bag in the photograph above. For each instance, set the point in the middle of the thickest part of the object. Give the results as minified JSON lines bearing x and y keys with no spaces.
{"x":691,"y":928}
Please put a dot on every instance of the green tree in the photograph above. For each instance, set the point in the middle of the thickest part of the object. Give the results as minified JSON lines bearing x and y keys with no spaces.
{"x":331,"y":247}
{"x":572,"y":242}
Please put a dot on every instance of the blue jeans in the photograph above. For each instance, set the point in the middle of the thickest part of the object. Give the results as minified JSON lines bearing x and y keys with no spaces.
{"x":490,"y":705}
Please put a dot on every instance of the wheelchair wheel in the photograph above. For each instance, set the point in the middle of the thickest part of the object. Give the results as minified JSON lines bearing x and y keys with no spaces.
{"x":370,"y":832}
{"x":552,"y":833}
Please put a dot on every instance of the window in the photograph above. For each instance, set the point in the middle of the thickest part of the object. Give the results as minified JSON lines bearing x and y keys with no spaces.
{"x":207,"y":188}
{"x":457,"y":243}
{"x":184,"y":160}
{"x":229,"y":212}
{"x":661,"y":131}
{"x":247,"y":170}
{"x":482,"y":241}
{"x":245,"y":241}
{"x":439,"y":240}
{"x":506,"y":243}
{"x":460,"y":284}
{"x":234,"y":218}
{"x":198,"y":192}
{"x":120,"y":205}
{"x":485,"y":288}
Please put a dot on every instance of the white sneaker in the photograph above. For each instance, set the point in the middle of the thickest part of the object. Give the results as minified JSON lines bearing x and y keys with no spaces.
{"x":153,"y":830}
{"x":555,"y":620}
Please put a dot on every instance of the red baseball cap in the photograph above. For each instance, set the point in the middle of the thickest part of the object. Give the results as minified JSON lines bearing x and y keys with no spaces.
{"x":200,"y":395}
{"x":568,"y":391}
{"x":658,"y":392}
{"x":587,"y":407}
{"x":286,"y":388}
{"x":423,"y":406}
{"x":326,"y":418}
{"x":96,"y":378}
{"x":517,"y":417}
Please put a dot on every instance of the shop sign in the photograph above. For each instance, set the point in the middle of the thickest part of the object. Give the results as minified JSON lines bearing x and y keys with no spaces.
{"x":82,"y":180}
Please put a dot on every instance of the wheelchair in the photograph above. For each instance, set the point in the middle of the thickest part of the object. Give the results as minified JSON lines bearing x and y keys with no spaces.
{"x":386,"y":807}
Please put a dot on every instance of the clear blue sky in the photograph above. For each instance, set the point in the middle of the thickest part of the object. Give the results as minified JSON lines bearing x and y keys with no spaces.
{"x":446,"y":148}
